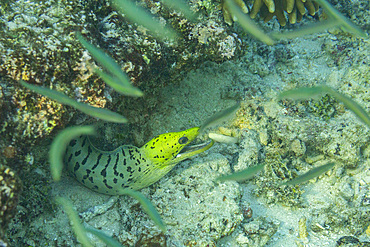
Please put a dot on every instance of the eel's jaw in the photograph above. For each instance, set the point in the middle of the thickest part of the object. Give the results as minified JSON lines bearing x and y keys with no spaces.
{"x":189,"y":151}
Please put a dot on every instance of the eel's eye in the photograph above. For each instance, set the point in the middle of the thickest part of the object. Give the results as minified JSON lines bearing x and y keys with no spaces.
{"x":183,"y":140}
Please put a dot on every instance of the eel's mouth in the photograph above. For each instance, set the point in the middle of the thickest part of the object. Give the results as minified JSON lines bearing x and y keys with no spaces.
{"x":189,"y":151}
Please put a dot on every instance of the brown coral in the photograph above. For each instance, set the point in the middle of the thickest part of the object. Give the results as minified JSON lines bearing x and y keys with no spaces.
{"x":270,"y":8}
{"x":294,"y":8}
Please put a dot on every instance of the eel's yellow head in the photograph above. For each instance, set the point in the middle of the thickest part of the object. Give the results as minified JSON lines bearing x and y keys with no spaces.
{"x":171,"y":148}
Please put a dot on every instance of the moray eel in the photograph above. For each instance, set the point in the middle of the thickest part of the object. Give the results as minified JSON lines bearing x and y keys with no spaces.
{"x":110,"y":172}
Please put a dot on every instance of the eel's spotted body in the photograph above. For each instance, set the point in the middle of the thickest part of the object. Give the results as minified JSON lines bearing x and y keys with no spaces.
{"x":110,"y":172}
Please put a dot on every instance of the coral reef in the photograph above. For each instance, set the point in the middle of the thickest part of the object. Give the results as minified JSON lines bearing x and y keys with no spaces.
{"x":197,"y":212}
{"x":290,"y":137}
{"x":294,"y":8}
{"x":10,"y":188}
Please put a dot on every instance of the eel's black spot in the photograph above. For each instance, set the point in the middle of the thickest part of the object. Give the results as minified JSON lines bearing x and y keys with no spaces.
{"x":96,"y":187}
{"x":91,"y":179}
{"x":70,"y":158}
{"x":84,"y":142}
{"x":115,"y":180}
{"x":121,"y":175}
{"x":87,"y":174}
{"x":104,"y":172}
{"x":72,"y":143}
{"x":115,"y":165}
{"x":77,"y":153}
{"x":139,"y":170}
{"x":105,"y":183}
{"x":76,"y":167}
{"x":89,"y":151}
{"x":129,"y":169}
{"x":97,"y":161}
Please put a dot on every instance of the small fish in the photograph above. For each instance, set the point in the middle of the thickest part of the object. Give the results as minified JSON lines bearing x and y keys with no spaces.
{"x":316,"y":92}
{"x":242,"y":175}
{"x":220,"y":117}
{"x":310,"y":174}
{"x":97,"y":112}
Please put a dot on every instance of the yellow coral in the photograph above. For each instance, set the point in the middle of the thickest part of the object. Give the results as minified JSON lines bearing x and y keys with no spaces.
{"x":295,"y":9}
{"x":228,"y":18}
{"x":270,"y":8}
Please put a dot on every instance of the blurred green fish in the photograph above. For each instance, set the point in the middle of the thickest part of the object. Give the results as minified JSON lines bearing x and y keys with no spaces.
{"x":220,"y":117}
{"x":315,"y":172}
{"x":141,"y":17}
{"x":77,"y":227}
{"x":109,"y":241}
{"x":242,"y":175}
{"x":147,"y":206}
{"x":315,"y":92}
{"x":101,"y":113}
{"x":247,"y":23}
{"x":59,"y":146}
{"x":118,"y":80}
